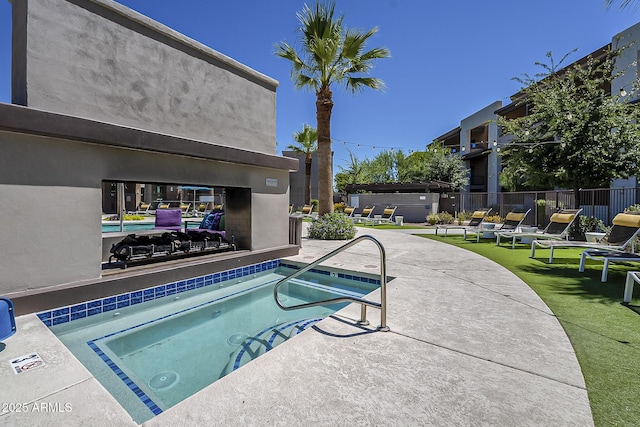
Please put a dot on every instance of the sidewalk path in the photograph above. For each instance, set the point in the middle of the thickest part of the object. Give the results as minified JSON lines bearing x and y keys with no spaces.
{"x":470,"y":344}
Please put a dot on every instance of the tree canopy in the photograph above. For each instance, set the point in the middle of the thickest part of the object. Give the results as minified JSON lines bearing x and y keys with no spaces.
{"x":434,"y":164}
{"x":576,"y":134}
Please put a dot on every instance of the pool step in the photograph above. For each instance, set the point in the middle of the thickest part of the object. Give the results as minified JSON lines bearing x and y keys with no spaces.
{"x":332,"y":289}
{"x":265,"y":340}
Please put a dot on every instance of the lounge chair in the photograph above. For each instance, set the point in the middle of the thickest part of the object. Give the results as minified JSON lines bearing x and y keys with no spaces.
{"x":511,"y":223}
{"x":143,"y":209}
{"x":184,"y":207}
{"x":477,"y":218}
{"x":620,"y":237}
{"x":307,"y":211}
{"x":607,"y":257}
{"x":7,"y":319}
{"x":201,"y":209}
{"x":163,"y":205}
{"x":168,"y":219}
{"x":385,"y":218}
{"x":614,"y":246}
{"x":557,"y":229}
{"x":365,"y":215}
{"x":349,"y":211}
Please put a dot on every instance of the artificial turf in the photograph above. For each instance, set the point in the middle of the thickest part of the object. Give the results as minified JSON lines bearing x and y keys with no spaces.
{"x":604,"y":332}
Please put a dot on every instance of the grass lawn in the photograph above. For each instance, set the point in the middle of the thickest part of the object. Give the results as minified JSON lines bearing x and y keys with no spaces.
{"x":605,"y":333}
{"x":390,"y":226}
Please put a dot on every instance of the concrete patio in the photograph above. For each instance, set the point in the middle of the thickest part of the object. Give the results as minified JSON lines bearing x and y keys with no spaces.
{"x":470,"y":344}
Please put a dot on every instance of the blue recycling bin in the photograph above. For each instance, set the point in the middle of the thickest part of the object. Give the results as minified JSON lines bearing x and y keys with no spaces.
{"x":7,"y":319}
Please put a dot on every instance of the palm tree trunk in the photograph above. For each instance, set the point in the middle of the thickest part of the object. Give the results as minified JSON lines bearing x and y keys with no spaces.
{"x":324,"y":105}
{"x":307,"y":179}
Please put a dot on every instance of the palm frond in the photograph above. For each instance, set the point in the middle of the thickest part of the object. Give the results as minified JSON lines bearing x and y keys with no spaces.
{"x":354,"y":42}
{"x":357,"y":84}
{"x":623,"y":3}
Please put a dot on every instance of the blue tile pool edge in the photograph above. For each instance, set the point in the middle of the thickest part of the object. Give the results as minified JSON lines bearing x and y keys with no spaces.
{"x":144,"y":398}
{"x":78,"y":311}
{"x":69,"y":313}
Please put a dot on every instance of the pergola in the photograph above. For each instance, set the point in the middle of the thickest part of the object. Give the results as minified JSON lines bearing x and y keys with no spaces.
{"x":401,"y":187}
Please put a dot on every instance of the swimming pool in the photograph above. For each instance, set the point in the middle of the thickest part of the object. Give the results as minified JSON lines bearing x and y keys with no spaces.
{"x":113,"y":228}
{"x":153,"y":348}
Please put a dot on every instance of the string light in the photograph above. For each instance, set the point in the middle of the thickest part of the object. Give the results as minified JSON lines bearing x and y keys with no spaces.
{"x":373,"y":147}
{"x":529,"y":146}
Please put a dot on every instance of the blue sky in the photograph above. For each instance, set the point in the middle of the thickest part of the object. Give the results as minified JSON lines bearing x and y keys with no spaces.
{"x":448,"y":59}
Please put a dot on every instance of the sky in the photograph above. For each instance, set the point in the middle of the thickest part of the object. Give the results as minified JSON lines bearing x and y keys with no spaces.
{"x":448,"y":59}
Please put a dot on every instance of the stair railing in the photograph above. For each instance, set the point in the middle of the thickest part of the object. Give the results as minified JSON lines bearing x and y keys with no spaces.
{"x":382,"y":305}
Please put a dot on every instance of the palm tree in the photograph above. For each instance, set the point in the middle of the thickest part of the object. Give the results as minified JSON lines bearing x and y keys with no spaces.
{"x":306,"y":144}
{"x":623,"y":3}
{"x":330,"y":54}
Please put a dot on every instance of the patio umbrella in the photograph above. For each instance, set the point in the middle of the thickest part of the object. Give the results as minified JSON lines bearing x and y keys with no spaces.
{"x":194,"y":189}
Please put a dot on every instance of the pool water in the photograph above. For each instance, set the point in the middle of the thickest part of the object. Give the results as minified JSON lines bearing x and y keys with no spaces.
{"x":113,"y":228}
{"x":157,"y":353}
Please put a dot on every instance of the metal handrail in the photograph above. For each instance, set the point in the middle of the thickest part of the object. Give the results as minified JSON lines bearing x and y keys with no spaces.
{"x":382,"y":305}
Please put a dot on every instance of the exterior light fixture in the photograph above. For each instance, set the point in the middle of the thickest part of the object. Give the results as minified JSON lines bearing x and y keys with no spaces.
{"x":623,"y":92}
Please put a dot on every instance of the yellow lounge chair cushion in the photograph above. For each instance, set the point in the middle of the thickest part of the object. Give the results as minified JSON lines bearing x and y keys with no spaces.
{"x":388,"y":212}
{"x":562,"y":218}
{"x":348,"y":210}
{"x":511,"y":216}
{"x":627,"y":220}
{"x":479,"y":214}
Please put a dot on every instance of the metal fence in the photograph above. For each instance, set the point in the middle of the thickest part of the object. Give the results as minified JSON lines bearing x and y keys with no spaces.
{"x":602,"y":203}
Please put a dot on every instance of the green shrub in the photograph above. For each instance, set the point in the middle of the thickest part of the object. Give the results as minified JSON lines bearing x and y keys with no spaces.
{"x":464,"y":216}
{"x":496,"y":219}
{"x":127,"y":217}
{"x":332,"y":226}
{"x":339,"y":207}
{"x":585,"y":224}
{"x":433,"y":218}
{"x":445,"y":218}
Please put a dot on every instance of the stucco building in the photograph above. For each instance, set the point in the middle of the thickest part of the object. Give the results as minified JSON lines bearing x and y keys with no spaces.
{"x":478,"y":136}
{"x":102,"y":94}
